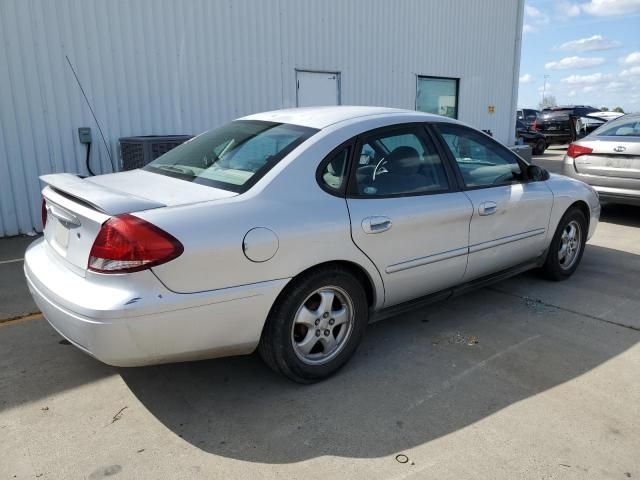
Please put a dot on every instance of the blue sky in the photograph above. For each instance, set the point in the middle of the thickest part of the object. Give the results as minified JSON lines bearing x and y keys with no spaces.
{"x":589,"y":49}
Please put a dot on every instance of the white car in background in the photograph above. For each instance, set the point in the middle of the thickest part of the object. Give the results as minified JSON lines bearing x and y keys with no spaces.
{"x":287,"y":231}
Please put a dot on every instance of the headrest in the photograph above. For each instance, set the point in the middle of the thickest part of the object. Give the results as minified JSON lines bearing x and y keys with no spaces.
{"x":403,"y":161}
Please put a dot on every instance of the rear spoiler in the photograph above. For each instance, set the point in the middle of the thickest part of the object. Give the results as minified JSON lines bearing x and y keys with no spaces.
{"x":106,"y":200}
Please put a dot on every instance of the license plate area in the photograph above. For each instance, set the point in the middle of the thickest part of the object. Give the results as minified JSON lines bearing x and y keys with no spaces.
{"x":61,"y":235}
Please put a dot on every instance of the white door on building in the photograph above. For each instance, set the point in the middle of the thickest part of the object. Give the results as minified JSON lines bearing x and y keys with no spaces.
{"x":317,"y":88}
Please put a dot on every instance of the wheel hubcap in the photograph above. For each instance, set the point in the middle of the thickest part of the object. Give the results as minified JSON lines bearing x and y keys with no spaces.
{"x":322,"y":325}
{"x":570,"y":244}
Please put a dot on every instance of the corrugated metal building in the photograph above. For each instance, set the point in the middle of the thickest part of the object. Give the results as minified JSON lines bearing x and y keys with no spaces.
{"x":184,"y":66}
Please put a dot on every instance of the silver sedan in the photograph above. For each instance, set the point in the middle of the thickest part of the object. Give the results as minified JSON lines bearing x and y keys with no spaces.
{"x":609,"y":159}
{"x":288,"y":231}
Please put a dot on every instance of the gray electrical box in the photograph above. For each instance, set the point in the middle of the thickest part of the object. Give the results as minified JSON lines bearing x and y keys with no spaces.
{"x":84,"y":134}
{"x":136,"y":152}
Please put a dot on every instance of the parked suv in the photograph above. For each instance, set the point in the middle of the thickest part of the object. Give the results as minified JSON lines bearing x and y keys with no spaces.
{"x":532,"y":138}
{"x":556,"y":123}
{"x":527,"y":116}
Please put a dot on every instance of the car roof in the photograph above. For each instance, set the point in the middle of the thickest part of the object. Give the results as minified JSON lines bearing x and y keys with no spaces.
{"x":322,"y":117}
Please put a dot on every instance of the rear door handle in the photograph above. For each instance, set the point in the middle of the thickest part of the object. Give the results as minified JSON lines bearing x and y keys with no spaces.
{"x":376,"y":224}
{"x":487,"y":208}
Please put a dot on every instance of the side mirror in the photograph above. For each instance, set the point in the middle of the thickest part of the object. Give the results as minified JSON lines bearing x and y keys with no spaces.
{"x":537,"y":174}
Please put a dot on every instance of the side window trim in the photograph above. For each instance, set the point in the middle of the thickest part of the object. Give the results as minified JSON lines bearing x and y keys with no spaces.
{"x":463,"y":186}
{"x":340,"y":192}
{"x":456,"y":182}
{"x":416,"y":128}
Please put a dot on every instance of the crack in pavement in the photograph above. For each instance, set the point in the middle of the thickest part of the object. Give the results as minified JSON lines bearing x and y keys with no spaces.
{"x":564,"y":309}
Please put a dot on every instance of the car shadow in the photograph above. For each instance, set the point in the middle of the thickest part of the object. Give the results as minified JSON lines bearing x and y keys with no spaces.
{"x":626,"y":215}
{"x":415,"y":378}
{"x":38,"y":363}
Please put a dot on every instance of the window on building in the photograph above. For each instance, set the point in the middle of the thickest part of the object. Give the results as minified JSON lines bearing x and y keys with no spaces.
{"x":437,"y":95}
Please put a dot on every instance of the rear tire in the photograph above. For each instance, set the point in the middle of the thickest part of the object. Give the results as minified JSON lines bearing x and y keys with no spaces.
{"x":540,"y":147}
{"x":315,"y":325}
{"x":567,"y":246}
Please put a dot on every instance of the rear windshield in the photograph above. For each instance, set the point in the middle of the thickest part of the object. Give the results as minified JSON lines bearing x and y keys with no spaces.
{"x":560,"y":113}
{"x":232,"y":157}
{"x":628,"y":128}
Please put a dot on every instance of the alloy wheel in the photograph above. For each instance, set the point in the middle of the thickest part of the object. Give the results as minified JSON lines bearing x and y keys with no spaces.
{"x":322,"y":325}
{"x":570,"y":244}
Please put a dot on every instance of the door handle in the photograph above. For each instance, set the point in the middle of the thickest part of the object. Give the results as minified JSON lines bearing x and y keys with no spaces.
{"x":376,"y":224}
{"x":487,"y":208}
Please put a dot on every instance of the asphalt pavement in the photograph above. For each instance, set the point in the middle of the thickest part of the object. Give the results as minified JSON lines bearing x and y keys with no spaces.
{"x":523,"y":379}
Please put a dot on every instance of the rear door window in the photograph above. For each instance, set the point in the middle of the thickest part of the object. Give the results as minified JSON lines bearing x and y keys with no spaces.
{"x":398,"y":162}
{"x":629,"y":128}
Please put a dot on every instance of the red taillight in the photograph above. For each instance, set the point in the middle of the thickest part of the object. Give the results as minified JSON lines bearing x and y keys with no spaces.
{"x":129,"y":244}
{"x":574,"y":151}
{"x":44,"y":213}
{"x":534,"y":125}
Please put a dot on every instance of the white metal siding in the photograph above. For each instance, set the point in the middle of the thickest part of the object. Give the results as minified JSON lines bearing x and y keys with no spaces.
{"x":174,"y":67}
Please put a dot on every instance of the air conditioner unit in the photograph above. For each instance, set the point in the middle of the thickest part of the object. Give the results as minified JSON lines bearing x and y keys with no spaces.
{"x":136,"y":152}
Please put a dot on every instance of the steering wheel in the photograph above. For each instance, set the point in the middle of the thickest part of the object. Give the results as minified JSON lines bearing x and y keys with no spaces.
{"x":379,"y":167}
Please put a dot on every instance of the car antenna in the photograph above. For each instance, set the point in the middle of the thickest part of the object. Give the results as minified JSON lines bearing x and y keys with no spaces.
{"x":113,"y":169}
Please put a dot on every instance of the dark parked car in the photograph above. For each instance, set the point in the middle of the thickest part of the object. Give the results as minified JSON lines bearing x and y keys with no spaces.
{"x":527,"y":116}
{"x":557,"y":124}
{"x":535,"y":139}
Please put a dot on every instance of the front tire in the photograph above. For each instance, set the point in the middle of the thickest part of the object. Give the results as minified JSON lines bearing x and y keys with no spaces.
{"x":567,"y":246}
{"x":315,"y":325}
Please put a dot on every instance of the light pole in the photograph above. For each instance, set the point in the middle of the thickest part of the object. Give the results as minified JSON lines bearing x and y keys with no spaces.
{"x":544,"y":88}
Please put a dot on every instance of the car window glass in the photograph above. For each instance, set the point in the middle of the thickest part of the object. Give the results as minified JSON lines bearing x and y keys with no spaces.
{"x":482,"y":162}
{"x":399,"y":163}
{"x":233,"y":156}
{"x":630,"y":128}
{"x":334,"y":172}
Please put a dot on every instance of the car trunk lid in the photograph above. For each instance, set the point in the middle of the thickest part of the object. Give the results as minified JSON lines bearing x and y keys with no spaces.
{"x":611,"y":157}
{"x":78,"y":207}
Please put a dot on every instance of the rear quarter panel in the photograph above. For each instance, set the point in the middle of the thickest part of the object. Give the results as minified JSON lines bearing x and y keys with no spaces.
{"x":312,"y":227}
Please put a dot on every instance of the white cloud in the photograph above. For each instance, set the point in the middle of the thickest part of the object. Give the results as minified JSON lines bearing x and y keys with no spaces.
{"x":572,"y":10}
{"x":588,"y":89}
{"x":534,"y":19}
{"x":615,"y":86}
{"x":592,"y":79}
{"x":608,"y":8}
{"x":574,"y":62}
{"x":631,"y":59}
{"x":631,"y":72}
{"x":564,"y":8}
{"x":596,"y":42}
{"x":532,"y":12}
{"x":526,"y":78}
{"x":572,"y":93}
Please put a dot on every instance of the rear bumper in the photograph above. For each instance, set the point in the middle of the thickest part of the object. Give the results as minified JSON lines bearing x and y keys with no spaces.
{"x":618,"y":195}
{"x":140,"y":322}
{"x":556,"y":138}
{"x":610,"y":189}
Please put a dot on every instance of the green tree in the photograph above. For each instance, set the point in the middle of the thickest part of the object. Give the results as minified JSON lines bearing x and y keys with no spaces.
{"x":604,"y":109}
{"x":618,"y":109}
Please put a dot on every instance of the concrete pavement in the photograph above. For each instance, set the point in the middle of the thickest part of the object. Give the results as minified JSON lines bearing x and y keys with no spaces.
{"x":524,"y":379}
{"x":15,"y":300}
